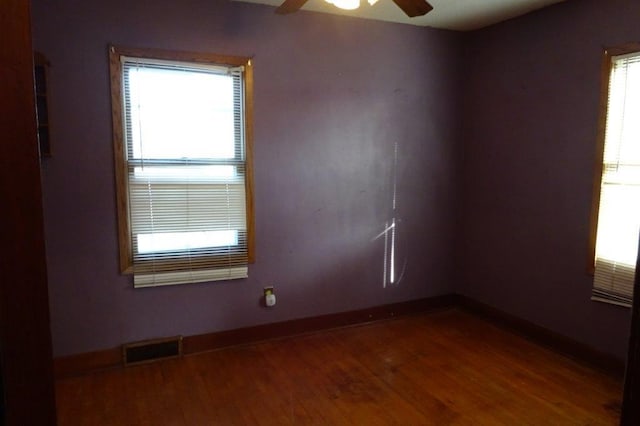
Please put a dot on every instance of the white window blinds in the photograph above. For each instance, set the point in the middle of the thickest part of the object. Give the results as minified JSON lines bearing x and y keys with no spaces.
{"x":185,"y":160}
{"x":619,"y":211}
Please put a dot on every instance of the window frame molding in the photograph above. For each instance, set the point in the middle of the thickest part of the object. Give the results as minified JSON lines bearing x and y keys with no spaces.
{"x":119,"y":147}
{"x":608,"y":53}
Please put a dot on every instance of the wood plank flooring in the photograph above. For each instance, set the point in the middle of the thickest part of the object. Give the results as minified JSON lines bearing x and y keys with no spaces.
{"x":444,"y":368}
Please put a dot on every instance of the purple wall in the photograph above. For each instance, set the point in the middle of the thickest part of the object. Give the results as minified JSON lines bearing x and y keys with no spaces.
{"x":531,"y":110}
{"x":333,"y":96}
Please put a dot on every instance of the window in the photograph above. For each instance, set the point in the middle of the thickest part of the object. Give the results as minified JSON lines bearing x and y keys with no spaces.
{"x":616,"y":213}
{"x":182,"y":142}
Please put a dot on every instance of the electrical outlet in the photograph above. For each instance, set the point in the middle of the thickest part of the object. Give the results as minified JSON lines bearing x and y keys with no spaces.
{"x":269,"y":297}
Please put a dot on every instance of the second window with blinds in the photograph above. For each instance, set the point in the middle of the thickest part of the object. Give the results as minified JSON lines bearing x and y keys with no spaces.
{"x":616,"y":209}
{"x":182,"y":140}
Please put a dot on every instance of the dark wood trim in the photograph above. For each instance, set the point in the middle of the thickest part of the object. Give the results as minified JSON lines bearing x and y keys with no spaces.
{"x":545,"y":337}
{"x":110,"y":358}
{"x":631,"y":398}
{"x":25,"y":337}
{"x":74,"y":365}
{"x":212,"y":341}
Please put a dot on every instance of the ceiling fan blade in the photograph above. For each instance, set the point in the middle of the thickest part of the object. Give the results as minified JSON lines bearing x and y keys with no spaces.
{"x":290,"y":6}
{"x":414,"y":7}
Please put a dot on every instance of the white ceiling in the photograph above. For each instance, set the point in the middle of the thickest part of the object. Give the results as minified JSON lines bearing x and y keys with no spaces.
{"x":462,"y":15}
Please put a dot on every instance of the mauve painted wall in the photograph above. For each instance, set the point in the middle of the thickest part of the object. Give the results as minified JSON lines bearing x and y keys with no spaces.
{"x":333,"y":97}
{"x":531,"y":113}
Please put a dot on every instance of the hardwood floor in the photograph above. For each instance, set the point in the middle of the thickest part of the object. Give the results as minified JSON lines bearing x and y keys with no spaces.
{"x":443,"y":368}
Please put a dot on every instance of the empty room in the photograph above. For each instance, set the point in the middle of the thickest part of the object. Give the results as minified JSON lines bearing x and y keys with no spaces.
{"x":286,"y":212}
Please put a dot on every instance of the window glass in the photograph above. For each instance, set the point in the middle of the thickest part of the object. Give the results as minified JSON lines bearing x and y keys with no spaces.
{"x":180,"y":134}
{"x":177,"y":114}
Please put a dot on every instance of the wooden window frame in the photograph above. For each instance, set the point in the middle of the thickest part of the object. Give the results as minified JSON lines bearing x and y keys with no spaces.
{"x":119,"y":146}
{"x":600,"y":141}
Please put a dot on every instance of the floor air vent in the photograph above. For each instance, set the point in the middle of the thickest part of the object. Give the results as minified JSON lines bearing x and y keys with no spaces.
{"x":152,"y":350}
